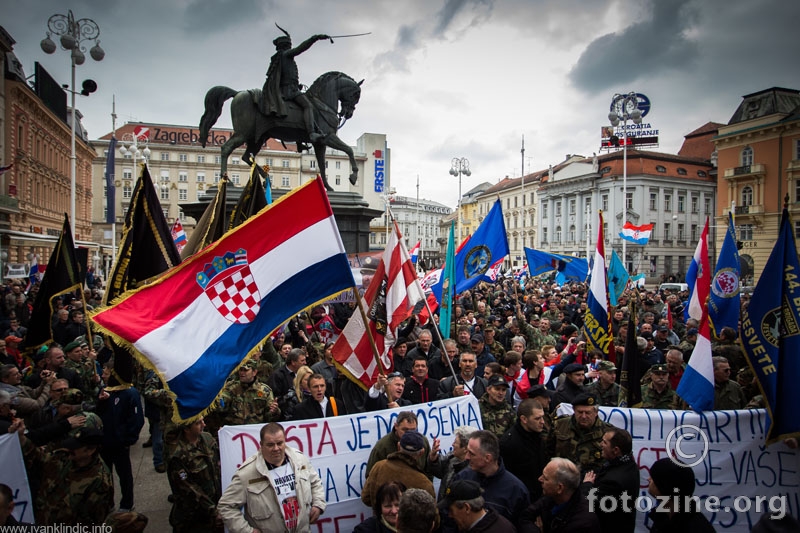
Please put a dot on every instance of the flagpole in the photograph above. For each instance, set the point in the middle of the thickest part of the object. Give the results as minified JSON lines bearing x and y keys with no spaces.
{"x":114,"y":221}
{"x":441,"y":343}
{"x":369,"y":331}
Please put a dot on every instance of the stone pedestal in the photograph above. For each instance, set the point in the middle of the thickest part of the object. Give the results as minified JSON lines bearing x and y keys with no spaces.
{"x":351,"y":211}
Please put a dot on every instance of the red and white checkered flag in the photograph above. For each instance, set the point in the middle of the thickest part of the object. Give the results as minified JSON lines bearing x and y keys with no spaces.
{"x":389,"y":300}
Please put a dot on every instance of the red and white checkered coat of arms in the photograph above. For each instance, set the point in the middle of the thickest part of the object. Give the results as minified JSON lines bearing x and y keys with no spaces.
{"x":230,"y":286}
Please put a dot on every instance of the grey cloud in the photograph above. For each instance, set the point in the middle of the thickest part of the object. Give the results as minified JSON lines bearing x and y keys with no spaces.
{"x":641,"y":49}
{"x":203,"y":16}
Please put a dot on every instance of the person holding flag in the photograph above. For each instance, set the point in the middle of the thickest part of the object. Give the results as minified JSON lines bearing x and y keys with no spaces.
{"x":596,"y":323}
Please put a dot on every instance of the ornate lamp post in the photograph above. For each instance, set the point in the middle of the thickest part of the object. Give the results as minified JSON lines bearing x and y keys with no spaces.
{"x":459,"y":167}
{"x":129,"y":145}
{"x":625,"y":107}
{"x":72,"y":34}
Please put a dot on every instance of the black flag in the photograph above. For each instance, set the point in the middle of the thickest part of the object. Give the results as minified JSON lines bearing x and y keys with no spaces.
{"x":211,"y":225}
{"x":253,"y":198}
{"x":62,"y":277}
{"x":630,"y":389}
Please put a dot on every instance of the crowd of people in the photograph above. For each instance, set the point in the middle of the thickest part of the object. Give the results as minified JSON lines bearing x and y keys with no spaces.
{"x":518,"y":350}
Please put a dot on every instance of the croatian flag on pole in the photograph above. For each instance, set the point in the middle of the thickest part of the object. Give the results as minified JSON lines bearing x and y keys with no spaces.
{"x":178,"y":235}
{"x":415,"y":253}
{"x":389,"y":300}
{"x":595,"y":325}
{"x":697,"y":384}
{"x":636,"y":234}
{"x":198,"y":322}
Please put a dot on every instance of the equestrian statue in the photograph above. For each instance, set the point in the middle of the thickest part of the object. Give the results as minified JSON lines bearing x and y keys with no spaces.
{"x":282,"y":111}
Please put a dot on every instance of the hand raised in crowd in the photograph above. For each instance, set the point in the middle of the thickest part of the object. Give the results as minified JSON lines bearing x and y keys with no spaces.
{"x":273,"y":407}
{"x":103,"y":395}
{"x":18,"y":427}
{"x":434,"y":455}
{"x":381,"y":383}
{"x":76,"y":421}
{"x":589,"y":477}
{"x":458,"y":390}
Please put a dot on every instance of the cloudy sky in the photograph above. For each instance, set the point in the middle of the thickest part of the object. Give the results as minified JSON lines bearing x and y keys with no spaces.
{"x":443,"y":78}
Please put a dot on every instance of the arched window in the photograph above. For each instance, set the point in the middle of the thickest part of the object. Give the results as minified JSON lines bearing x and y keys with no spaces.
{"x":747,"y":196}
{"x":747,"y":156}
{"x":571,"y":236}
{"x":558,"y":234}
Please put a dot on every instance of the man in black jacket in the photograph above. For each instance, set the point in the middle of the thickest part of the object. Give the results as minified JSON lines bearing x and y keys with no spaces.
{"x":522,"y":447}
{"x":318,"y":405}
{"x":619,"y":475}
{"x":467,"y":382}
{"x":419,"y":387}
{"x":562,"y":507}
{"x":386,"y":393}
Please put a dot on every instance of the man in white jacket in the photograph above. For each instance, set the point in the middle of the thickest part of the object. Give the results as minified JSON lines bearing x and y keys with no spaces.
{"x":278,"y":489}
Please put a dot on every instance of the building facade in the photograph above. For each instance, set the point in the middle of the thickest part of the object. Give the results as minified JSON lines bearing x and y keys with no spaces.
{"x":758,"y":155}
{"x":419,"y":221}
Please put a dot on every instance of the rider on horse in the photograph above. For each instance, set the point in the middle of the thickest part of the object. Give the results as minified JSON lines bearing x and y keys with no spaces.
{"x":283,"y":82}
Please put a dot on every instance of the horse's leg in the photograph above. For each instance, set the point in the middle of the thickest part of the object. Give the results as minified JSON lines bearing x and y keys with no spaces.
{"x":319,"y":152}
{"x":234,"y":142}
{"x":335,"y":142}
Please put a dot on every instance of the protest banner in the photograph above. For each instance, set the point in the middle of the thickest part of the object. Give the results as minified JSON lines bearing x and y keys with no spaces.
{"x":13,"y":474}
{"x":732,"y":462}
{"x":339,"y":448}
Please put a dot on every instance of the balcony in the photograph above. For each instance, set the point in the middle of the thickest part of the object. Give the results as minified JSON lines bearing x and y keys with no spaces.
{"x":748,"y":210}
{"x":9,"y":204}
{"x":747,"y":171}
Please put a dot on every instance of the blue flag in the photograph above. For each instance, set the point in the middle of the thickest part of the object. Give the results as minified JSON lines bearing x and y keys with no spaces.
{"x":724,"y":299}
{"x":596,"y":322}
{"x":448,"y":283}
{"x":111,"y":215}
{"x":771,"y":334}
{"x":569,"y":268}
{"x":617,"y":278}
{"x":484,"y":249}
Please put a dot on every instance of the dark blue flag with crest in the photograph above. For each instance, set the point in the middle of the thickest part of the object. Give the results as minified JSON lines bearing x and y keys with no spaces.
{"x":771,"y":335}
{"x":724,"y":301}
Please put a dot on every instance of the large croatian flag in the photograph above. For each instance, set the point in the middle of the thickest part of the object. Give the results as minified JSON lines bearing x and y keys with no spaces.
{"x":197,"y":323}
{"x":596,"y":324}
{"x":636,"y":234}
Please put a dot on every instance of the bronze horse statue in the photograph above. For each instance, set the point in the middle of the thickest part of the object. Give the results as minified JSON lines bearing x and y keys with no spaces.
{"x":254,"y":128}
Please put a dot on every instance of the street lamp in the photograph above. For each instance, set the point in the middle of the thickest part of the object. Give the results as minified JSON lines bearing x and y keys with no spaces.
{"x":73,"y":33}
{"x":625,"y":107}
{"x":129,"y":145}
{"x":459,"y":166}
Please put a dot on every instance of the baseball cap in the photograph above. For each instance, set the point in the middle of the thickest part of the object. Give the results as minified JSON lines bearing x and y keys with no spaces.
{"x":646,"y":335}
{"x":477,"y":338}
{"x":497,"y":381}
{"x":606,"y":365}
{"x":70,"y":397}
{"x":691,"y":331}
{"x":662,"y":327}
{"x":461,"y":490}
{"x":412,"y":441}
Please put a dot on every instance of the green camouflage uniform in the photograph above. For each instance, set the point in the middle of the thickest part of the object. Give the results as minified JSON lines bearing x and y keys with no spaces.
{"x":497,"y":350}
{"x":85,"y":370}
{"x":69,"y":495}
{"x":606,"y":397}
{"x":652,"y":399}
{"x":194,"y":477}
{"x":246,"y":403}
{"x":581,"y":446}
{"x":496,"y":418}
{"x":729,"y":396}
{"x":155,"y":392}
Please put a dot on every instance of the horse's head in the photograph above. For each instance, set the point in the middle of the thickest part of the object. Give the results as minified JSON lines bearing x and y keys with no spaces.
{"x":349,"y":95}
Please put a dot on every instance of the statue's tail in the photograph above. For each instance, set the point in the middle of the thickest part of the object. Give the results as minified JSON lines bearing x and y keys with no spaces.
{"x":215,"y":97}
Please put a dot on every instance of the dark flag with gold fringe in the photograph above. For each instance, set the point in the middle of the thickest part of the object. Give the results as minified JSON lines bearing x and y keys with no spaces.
{"x":146,"y":251}
{"x":253,"y":198}
{"x":211,"y":225}
{"x":630,"y":389}
{"x":61,"y":278}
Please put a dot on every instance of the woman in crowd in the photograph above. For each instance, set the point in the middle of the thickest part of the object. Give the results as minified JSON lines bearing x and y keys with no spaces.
{"x":387,"y":503}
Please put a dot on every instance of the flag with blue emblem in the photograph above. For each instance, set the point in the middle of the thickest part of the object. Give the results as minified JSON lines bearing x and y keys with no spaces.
{"x":568,"y":268}
{"x":771,"y":334}
{"x":479,"y":253}
{"x":448,"y":282}
{"x":197,"y":323}
{"x":617,"y":278}
{"x":596,"y":322}
{"x":724,"y":300}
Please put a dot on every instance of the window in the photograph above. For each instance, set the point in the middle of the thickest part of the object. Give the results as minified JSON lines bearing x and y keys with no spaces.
{"x":681,"y":232}
{"x":558,"y":208}
{"x":558,"y":233}
{"x":797,"y":149}
{"x":127,"y":174}
{"x":544,"y":210}
{"x":605,"y":231}
{"x":661,"y":168}
{"x":587,"y":205}
{"x":216,"y":176}
{"x":218,"y":159}
{"x":165,"y":156}
{"x":127,"y":191}
{"x":269,"y":161}
{"x":797,"y":191}
{"x":198,"y":194}
{"x":516,"y":202}
{"x":235,"y":179}
{"x":605,"y":170}
{"x":695,"y":236}
{"x":200,"y":159}
{"x":165,"y":192}
{"x":653,"y":201}
{"x":667,"y":231}
{"x":695,"y":203}
{"x":312,"y":164}
{"x":745,"y":232}
{"x":165,"y":176}
{"x":572,"y":206}
{"x":105,"y":190}
{"x":747,"y":196}
{"x":183,"y":177}
{"x":183,"y":158}
{"x":183,"y":194}
{"x":747,"y":156}
{"x":544,"y":235}
{"x":571,"y":235}
{"x":182,"y":215}
{"x":235,"y":161}
{"x":681,"y":171}
{"x":128,"y":156}
{"x":668,"y":202}
{"x":338,"y":180}
{"x":284,"y":181}
{"x":165,"y":210}
{"x":702,"y":173}
{"x":681,"y":204}
{"x":707,"y":205}
{"x":628,"y":200}
{"x":201,"y":177}
{"x":604,"y":202}
{"x":338,"y":165}
{"x":285,"y":163}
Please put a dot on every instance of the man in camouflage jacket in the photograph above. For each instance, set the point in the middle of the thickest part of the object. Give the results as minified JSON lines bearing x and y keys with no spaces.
{"x":579,"y":437}
{"x":497,"y":414}
{"x":248,"y":401}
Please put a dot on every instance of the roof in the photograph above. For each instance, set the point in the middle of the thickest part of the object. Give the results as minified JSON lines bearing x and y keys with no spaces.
{"x":699,"y":143}
{"x":776,"y":100}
